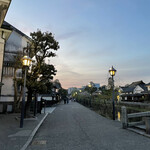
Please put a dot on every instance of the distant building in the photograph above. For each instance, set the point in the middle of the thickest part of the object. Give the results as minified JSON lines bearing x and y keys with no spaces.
{"x":148,"y":86}
{"x":83,"y":87}
{"x":136,"y":91}
{"x":92,"y":84}
{"x":97,"y":85}
{"x":104,"y":87}
{"x":70,"y":90}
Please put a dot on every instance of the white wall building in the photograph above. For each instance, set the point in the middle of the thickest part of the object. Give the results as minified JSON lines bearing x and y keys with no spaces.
{"x":4,"y":35}
{"x":15,"y":43}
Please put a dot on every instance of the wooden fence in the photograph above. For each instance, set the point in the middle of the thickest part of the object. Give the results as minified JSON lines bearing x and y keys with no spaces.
{"x":145,"y":119}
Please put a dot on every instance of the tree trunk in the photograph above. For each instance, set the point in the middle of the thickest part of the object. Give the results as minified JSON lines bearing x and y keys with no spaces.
{"x":15,"y":91}
{"x":28,"y":103}
{"x":19,"y":99}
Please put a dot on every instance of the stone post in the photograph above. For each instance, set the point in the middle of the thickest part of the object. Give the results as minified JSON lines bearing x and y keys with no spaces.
{"x":124,"y":117}
{"x":147,"y":123}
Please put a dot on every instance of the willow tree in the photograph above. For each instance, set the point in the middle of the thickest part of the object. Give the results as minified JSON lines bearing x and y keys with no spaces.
{"x":43,"y":46}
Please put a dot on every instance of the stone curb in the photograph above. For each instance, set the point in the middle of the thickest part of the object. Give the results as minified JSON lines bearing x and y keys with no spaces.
{"x":33,"y":133}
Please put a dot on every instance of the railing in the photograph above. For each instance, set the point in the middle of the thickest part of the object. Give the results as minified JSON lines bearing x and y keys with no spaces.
{"x":145,"y":119}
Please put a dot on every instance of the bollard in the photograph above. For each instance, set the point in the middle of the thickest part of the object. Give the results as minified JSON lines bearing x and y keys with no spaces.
{"x":124,"y":117}
{"x":44,"y":102}
{"x":147,"y":123}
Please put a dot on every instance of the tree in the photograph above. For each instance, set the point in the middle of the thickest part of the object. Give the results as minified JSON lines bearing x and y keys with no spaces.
{"x":63,"y":93}
{"x":57,"y":84}
{"x":17,"y":82}
{"x":42,"y":46}
{"x":91,"y":88}
{"x":56,"y":88}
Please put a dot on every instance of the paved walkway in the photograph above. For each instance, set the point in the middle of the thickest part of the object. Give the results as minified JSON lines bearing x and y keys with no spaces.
{"x":75,"y":127}
{"x":12,"y":137}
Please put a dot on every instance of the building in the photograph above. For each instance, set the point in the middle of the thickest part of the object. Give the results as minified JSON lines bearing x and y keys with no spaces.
{"x":13,"y":46}
{"x":148,"y":86}
{"x":136,"y":91}
{"x":4,"y":35}
{"x":70,"y":90}
{"x":97,"y":85}
{"x":92,"y":84}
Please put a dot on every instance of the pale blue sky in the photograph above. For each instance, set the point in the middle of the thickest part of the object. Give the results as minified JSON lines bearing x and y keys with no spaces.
{"x":93,"y":36}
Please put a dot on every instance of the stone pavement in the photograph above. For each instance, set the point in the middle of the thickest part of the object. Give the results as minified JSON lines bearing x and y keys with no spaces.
{"x":75,"y":127}
{"x":12,"y":137}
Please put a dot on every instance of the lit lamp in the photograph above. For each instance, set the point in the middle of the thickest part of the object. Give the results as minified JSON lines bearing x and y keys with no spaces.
{"x":26,"y":61}
{"x":112,"y":72}
{"x":90,"y":86}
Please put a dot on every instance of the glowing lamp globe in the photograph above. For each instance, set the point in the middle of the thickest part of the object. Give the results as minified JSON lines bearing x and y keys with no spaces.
{"x":26,"y":61}
{"x":112,"y":71}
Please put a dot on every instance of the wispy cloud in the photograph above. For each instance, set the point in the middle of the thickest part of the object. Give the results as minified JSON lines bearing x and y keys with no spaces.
{"x":65,"y":36}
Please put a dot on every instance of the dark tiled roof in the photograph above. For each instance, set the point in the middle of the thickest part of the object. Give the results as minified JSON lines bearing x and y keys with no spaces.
{"x":144,"y":87}
{"x":133,"y":85}
{"x":127,"y":89}
{"x":8,"y":26}
{"x":137,"y":83}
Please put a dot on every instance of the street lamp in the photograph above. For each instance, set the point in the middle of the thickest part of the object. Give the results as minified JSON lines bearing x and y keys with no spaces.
{"x":26,"y":61}
{"x":112,"y":72}
{"x":90,"y":88}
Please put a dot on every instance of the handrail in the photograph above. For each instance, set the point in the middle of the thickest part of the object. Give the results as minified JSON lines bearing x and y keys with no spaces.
{"x":140,"y":114}
{"x":125,"y":119}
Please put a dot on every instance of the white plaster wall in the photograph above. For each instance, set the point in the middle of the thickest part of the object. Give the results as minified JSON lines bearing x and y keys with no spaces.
{"x":148,"y":88}
{"x":138,"y":89}
{"x":16,"y":42}
{"x":7,"y":88}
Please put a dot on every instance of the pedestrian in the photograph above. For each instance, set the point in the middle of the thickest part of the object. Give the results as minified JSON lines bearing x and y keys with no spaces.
{"x":64,"y":100}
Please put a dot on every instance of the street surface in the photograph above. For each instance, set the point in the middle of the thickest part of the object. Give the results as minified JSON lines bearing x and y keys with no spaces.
{"x":75,"y":127}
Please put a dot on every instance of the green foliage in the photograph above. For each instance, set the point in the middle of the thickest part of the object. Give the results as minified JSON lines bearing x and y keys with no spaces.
{"x":90,"y":89}
{"x":107,"y":92}
{"x":63,"y":93}
{"x":74,"y":92}
{"x":42,"y":46}
{"x":57,"y":84}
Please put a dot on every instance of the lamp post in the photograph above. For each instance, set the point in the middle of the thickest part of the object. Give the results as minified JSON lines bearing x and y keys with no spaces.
{"x":112,"y":72}
{"x":90,"y":88}
{"x":26,"y":61}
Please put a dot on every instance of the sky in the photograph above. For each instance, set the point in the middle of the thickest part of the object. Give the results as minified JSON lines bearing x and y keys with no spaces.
{"x":93,"y":35}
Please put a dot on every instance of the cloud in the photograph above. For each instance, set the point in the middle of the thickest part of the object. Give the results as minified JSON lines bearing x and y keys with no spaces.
{"x":72,"y":33}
